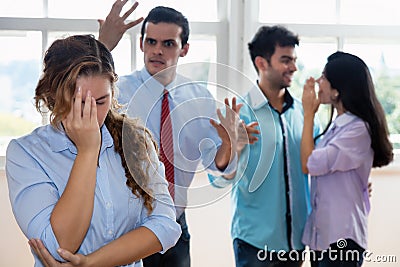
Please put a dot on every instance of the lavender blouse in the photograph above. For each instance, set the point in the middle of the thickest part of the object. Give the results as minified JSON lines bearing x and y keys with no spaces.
{"x":339,"y":167}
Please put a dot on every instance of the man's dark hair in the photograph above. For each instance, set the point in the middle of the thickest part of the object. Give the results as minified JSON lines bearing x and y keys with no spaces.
{"x":267,"y":38}
{"x":168,"y":15}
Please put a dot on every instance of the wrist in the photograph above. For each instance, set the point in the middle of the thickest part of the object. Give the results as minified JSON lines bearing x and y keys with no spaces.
{"x":88,"y":151}
{"x":226,"y":142}
{"x":309,"y":115}
{"x":91,"y":260}
{"x":89,"y":156}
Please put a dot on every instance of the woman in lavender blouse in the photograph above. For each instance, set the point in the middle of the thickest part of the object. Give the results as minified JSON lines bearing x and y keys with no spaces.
{"x":341,"y":161}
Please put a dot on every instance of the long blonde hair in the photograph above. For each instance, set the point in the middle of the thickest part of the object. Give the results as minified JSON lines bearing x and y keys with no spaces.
{"x":82,"y":55}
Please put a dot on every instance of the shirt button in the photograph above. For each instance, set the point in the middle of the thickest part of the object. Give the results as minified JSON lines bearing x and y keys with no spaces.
{"x":110,"y":232}
{"x":108,"y":205}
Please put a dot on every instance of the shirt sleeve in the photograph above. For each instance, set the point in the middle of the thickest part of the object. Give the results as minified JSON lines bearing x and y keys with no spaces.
{"x":162,"y":221}
{"x":32,"y":195}
{"x":232,"y":166}
{"x":220,"y":181}
{"x":124,"y":89}
{"x":346,"y":151}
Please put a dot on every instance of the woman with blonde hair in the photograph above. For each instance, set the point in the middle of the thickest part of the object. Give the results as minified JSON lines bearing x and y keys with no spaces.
{"x":90,"y":182}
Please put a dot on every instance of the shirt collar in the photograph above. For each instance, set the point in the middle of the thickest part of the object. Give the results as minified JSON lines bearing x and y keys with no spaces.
{"x":258,"y":99}
{"x":59,"y":140}
{"x":344,"y":119}
{"x":156,"y":87}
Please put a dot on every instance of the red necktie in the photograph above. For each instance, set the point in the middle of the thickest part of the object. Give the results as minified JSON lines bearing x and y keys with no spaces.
{"x":167,"y":144}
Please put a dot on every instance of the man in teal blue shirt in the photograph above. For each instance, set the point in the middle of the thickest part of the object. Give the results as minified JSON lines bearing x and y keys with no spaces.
{"x":270,"y":193}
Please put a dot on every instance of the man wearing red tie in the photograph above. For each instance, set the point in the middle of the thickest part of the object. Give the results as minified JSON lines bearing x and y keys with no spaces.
{"x":180,"y":113}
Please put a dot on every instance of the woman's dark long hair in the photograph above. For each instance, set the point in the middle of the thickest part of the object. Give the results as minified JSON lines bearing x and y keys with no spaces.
{"x":350,"y":76}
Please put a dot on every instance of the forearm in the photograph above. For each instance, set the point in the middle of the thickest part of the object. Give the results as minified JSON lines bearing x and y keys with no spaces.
{"x":232,"y":175}
{"x":307,"y":140}
{"x":224,"y":156}
{"x":72,"y":214}
{"x":131,"y":247}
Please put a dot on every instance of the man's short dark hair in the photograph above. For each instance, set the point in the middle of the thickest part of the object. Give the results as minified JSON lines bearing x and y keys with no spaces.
{"x":267,"y":38}
{"x":168,"y":15}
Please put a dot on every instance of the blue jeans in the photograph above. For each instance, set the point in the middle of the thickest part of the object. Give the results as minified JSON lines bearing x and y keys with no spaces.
{"x":177,"y":256}
{"x":247,"y":255}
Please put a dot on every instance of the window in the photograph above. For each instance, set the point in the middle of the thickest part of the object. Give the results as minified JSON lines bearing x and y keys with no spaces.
{"x":205,"y":10}
{"x":294,"y":11}
{"x":361,"y":12}
{"x":368,"y":29}
{"x":218,"y":35}
{"x":30,"y":9}
{"x":383,"y":61}
{"x":312,"y":54}
{"x":78,"y":9}
{"x":19,"y":70}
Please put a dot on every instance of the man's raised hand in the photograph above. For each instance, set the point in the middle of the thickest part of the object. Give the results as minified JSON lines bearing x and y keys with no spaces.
{"x":113,"y":28}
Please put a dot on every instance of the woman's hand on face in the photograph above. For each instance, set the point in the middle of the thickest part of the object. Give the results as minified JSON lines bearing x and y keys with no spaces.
{"x":82,"y":126}
{"x":309,"y":97}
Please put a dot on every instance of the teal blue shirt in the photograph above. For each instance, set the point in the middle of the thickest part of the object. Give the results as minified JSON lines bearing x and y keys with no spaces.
{"x":270,"y":193}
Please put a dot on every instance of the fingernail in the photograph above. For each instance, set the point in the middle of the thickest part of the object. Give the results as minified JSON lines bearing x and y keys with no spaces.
{"x":79,"y":89}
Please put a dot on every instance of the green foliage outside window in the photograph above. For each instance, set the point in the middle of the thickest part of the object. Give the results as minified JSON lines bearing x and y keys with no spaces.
{"x":11,"y":125}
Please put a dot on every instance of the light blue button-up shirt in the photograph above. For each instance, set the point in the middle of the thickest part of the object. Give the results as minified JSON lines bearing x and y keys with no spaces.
{"x":340,"y":166}
{"x":38,"y":166}
{"x":269,"y":188}
{"x":191,"y":107}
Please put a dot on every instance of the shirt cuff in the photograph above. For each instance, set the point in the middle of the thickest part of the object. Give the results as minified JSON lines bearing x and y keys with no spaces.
{"x":219,"y":181}
{"x":50,"y":242}
{"x":166,"y":230}
{"x":231,"y":168}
